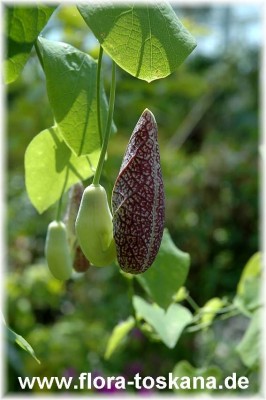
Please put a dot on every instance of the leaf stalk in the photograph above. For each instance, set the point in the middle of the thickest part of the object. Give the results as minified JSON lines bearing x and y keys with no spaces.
{"x":97,"y":176}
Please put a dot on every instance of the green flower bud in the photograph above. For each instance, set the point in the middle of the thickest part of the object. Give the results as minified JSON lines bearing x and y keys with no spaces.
{"x":94,"y":227}
{"x":57,"y":251}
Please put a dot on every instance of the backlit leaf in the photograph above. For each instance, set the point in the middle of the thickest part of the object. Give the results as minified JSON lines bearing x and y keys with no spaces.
{"x":148,"y":41}
{"x":47,"y":159}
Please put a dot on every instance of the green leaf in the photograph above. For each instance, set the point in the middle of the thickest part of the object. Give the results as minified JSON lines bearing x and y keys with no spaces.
{"x":46,"y":161}
{"x":180,"y":295}
{"x":168,"y":324}
{"x":210,"y":309}
{"x":248,"y":289}
{"x":250,"y":347}
{"x":117,"y":336}
{"x":22,"y":28}
{"x":167,"y":274}
{"x":185,"y":370}
{"x":13,"y":337}
{"x":71,"y":87}
{"x":149,"y":42}
{"x":251,"y":271}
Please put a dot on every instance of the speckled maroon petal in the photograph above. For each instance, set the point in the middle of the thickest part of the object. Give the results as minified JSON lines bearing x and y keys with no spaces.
{"x":138,"y":199}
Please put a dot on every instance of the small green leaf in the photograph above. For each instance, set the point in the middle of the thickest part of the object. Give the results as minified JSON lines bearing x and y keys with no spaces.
{"x":22,"y":28}
{"x":210,"y":309}
{"x":117,"y":336}
{"x":248,"y":289}
{"x":46,"y":161}
{"x":148,"y":42}
{"x":249,"y":349}
{"x":71,"y":87}
{"x":251,"y":271}
{"x":180,"y":295}
{"x":185,"y":370}
{"x":167,"y":274}
{"x":168,"y":324}
{"x":13,"y":337}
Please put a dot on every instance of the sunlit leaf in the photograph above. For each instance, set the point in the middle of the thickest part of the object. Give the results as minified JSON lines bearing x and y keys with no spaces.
{"x":148,"y":41}
{"x":47,"y":159}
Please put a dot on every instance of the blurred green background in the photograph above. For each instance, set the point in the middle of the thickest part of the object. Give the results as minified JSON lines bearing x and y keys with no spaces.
{"x":207,"y":114}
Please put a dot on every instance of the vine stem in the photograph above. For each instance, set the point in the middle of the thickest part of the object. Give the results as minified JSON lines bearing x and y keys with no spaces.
{"x":192,"y":303}
{"x":98,"y":86}
{"x":107,"y":132}
{"x":59,"y":207}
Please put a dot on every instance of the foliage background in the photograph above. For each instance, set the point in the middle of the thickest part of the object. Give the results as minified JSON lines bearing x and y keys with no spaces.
{"x":207,"y":113}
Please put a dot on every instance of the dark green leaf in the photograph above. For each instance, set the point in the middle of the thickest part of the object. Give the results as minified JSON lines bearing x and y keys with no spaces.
{"x":71,"y":87}
{"x":149,"y":42}
{"x":24,"y":23}
{"x":167,"y":274}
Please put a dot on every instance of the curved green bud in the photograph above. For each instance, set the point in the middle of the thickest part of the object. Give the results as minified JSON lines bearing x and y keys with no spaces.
{"x":94,"y":227}
{"x":57,"y":251}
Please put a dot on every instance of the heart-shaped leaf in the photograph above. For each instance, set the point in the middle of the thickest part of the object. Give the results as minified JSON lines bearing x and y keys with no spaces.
{"x":148,"y":41}
{"x":168,"y":324}
{"x":47,"y":159}
{"x":138,"y":199}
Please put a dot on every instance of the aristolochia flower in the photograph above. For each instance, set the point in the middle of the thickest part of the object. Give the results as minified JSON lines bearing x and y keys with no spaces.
{"x":138,"y":199}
